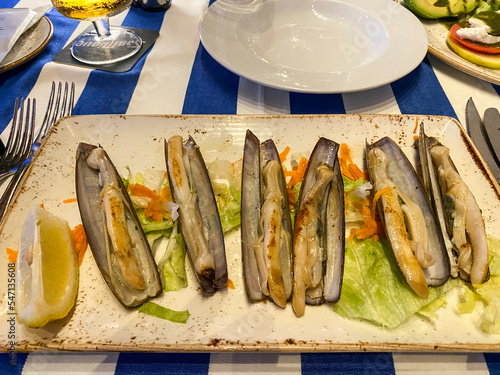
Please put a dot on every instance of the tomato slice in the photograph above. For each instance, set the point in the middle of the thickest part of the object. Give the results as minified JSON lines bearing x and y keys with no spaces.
{"x":472,"y":45}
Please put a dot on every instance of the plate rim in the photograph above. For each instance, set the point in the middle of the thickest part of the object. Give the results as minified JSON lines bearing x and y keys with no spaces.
{"x":313,"y":90}
{"x":36,"y":51}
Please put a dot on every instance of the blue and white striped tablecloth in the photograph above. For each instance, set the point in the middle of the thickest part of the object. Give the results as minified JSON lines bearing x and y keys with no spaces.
{"x":177,"y":76}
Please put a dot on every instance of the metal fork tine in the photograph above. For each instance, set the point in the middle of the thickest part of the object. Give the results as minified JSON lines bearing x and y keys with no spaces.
{"x":13,"y":129}
{"x":46,"y":122}
{"x":71,"y":99}
{"x":58,"y":101}
{"x":53,"y":113}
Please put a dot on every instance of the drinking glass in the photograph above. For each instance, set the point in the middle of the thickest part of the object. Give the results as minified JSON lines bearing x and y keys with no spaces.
{"x":106,"y":44}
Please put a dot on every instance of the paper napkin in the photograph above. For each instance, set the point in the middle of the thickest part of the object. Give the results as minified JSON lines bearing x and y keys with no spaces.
{"x":13,"y":22}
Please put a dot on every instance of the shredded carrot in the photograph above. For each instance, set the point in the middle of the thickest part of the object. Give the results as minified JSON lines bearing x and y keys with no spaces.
{"x":12,"y":254}
{"x":230,"y":284}
{"x":416,"y":125}
{"x":80,"y":241}
{"x":356,"y":172}
{"x":368,"y":228}
{"x":296,"y":175}
{"x":284,"y":154}
{"x":415,"y":137}
{"x":233,"y":165}
{"x":375,"y":199}
{"x":142,"y":191}
{"x":347,"y":167}
{"x":42,"y":206}
{"x":345,"y":153}
{"x":69,"y":200}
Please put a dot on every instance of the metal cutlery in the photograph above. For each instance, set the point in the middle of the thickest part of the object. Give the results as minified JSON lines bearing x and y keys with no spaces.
{"x":60,"y":104}
{"x":486,"y":135}
{"x":20,"y":138}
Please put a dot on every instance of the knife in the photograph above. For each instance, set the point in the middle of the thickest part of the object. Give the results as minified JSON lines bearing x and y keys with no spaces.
{"x":479,"y":136}
{"x":491,"y":122}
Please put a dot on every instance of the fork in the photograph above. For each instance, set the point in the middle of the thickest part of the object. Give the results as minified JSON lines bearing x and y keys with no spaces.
{"x":20,"y":138}
{"x":60,"y":105}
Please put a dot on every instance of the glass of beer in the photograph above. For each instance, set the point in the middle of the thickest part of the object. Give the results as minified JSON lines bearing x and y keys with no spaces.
{"x":106,"y":44}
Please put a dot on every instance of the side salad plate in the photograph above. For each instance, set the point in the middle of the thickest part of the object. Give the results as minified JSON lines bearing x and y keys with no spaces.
{"x":227,"y":321}
{"x":436,"y":34}
{"x":314,"y":46}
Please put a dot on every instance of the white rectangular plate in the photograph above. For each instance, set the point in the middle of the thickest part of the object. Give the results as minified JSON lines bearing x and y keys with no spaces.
{"x":227,"y":321}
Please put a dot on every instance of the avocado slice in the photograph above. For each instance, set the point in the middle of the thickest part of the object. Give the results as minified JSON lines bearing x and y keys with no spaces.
{"x":433,"y":9}
{"x":483,"y":59}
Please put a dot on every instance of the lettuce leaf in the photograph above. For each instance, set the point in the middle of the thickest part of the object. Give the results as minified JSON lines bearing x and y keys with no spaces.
{"x":161,"y":312}
{"x":229,"y":205}
{"x":172,"y":264}
{"x":374,"y":288}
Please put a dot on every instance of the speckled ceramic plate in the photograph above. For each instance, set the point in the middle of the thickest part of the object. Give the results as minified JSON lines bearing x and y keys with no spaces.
{"x":436,"y":34}
{"x":227,"y":321}
{"x":30,"y":43}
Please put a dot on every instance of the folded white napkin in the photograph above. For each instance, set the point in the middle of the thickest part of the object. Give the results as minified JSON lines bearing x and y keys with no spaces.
{"x":13,"y":22}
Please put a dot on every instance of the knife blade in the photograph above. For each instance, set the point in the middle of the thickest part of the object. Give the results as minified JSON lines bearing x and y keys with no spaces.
{"x":491,"y":124}
{"x":474,"y":128}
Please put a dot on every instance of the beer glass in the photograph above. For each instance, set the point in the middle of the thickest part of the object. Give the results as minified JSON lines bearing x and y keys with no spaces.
{"x":106,"y":44}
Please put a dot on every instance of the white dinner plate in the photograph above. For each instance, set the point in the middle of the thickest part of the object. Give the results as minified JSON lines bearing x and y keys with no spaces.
{"x":437,"y":33}
{"x":314,"y":46}
{"x":30,"y":43}
{"x":227,"y":321}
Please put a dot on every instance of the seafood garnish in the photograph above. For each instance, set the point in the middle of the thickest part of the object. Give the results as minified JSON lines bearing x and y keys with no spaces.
{"x":462,"y":221}
{"x":319,"y":234}
{"x":114,"y":233}
{"x":407,"y":217}
{"x":266,"y":226}
{"x":198,"y":215}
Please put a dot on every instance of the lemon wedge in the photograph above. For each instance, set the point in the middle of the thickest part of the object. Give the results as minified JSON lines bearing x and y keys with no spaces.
{"x":47,"y":269}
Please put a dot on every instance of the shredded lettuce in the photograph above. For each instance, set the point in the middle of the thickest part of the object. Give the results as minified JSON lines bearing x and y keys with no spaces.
{"x":172,"y":264}
{"x":161,"y":312}
{"x":488,"y":292}
{"x":229,"y":205}
{"x":374,"y":289}
{"x":164,"y":240}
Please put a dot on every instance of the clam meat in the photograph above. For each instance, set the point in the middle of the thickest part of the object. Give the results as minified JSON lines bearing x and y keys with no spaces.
{"x":198,"y":215}
{"x":407,"y":217}
{"x":114,"y":233}
{"x":266,"y":226}
{"x":319,"y":232}
{"x":461,"y":219}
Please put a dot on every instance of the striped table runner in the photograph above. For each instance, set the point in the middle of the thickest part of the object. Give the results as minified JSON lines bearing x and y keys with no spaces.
{"x":177,"y":76}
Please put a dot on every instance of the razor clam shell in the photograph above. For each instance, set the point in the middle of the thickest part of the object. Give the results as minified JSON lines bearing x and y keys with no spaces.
{"x":402,"y":173}
{"x":88,"y":191}
{"x":431,"y":184}
{"x":325,"y":152}
{"x":334,"y":237}
{"x":206,"y":205}
{"x":208,"y":210}
{"x":270,"y":152}
{"x":251,"y":203}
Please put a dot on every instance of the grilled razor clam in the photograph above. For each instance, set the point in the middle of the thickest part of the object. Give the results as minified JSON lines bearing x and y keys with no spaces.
{"x":266,"y":227}
{"x":463,"y":217}
{"x":309,"y":246}
{"x":250,"y":215}
{"x":431,"y":185}
{"x":334,"y":237}
{"x":274,"y":246}
{"x":198,"y":214}
{"x":114,"y":233}
{"x":400,"y":171}
{"x":394,"y":223}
